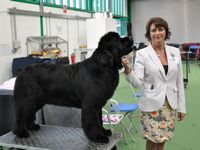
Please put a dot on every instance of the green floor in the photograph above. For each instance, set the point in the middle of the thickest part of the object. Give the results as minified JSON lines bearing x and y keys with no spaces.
{"x":187,"y":132}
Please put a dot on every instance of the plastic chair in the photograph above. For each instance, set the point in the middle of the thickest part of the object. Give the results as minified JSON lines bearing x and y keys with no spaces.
{"x":115,"y":119}
{"x":193,"y":52}
{"x":128,"y":109}
{"x":135,"y":94}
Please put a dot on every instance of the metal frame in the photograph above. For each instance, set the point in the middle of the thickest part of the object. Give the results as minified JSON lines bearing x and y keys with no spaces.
{"x":108,"y":115}
{"x":117,"y":7}
{"x":34,"y":13}
{"x":45,"y":40}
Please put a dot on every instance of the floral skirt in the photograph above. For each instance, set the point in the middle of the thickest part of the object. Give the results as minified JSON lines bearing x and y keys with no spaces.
{"x":158,"y":126}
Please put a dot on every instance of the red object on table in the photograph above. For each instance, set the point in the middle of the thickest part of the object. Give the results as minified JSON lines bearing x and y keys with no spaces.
{"x":73,"y":58}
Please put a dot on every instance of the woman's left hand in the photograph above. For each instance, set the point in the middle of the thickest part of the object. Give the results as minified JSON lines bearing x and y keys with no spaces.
{"x":181,"y":116}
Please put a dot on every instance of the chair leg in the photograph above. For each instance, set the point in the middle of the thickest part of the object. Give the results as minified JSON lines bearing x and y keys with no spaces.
{"x":133,"y":123}
{"x":125,"y":127}
{"x":131,"y":116}
{"x":123,"y":132}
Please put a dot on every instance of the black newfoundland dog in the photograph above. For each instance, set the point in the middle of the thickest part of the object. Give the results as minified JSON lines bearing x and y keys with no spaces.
{"x":86,"y":85}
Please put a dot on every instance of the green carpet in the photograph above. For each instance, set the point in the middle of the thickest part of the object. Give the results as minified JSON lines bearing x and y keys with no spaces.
{"x":187,"y":131}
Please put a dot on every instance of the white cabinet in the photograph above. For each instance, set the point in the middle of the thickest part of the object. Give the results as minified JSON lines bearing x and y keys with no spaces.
{"x":83,"y":53}
{"x":96,"y":28}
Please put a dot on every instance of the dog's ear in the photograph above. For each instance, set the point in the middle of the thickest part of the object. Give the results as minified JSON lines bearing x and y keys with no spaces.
{"x":107,"y":59}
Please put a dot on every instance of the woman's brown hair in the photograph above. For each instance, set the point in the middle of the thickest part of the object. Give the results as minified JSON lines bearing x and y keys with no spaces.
{"x":158,"y":22}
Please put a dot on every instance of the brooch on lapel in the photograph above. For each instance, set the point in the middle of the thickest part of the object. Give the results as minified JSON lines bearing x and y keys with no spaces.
{"x":173,"y":58}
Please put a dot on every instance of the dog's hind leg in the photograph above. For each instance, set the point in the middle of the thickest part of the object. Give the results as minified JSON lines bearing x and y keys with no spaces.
{"x":31,"y":114}
{"x":19,"y":130}
{"x":30,"y":123}
{"x":91,"y":125}
{"x":25,"y":117}
{"x":19,"y":127}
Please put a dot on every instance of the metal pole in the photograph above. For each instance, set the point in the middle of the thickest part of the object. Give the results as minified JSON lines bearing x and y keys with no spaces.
{"x":41,"y":18}
{"x":129,"y":10}
{"x":42,"y":34}
{"x":14,"y":31}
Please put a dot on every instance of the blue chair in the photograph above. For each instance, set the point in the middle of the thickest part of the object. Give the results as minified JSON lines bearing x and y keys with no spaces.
{"x":128,"y":109}
{"x":136,"y":95}
{"x":116,"y":119}
{"x":193,"y":50}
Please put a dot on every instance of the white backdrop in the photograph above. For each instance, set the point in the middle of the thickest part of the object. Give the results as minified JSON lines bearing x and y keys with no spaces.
{"x":183,"y":17}
{"x":73,"y":31}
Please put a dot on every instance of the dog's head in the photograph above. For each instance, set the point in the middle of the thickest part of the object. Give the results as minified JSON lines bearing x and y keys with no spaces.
{"x":112,"y":47}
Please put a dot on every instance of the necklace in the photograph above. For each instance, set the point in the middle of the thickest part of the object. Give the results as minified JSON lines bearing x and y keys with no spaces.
{"x":157,"y":53}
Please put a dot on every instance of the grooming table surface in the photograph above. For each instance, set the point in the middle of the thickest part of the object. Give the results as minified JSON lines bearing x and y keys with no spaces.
{"x":56,"y":138}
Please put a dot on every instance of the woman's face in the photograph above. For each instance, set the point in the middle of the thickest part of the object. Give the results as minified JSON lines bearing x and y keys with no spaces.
{"x":157,"y":34}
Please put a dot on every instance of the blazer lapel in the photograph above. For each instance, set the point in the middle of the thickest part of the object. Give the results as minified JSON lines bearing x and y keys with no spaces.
{"x":169,"y":59}
{"x":156,"y":60}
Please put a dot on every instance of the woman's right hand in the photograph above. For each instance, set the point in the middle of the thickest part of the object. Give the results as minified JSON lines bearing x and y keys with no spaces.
{"x":125,"y":63}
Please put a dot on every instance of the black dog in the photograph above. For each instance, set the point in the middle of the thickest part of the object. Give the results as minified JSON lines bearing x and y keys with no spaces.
{"x":86,"y":85}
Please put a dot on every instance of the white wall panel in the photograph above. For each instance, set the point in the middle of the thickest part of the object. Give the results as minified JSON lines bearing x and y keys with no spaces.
{"x":73,"y":38}
{"x":96,"y":28}
{"x":26,"y":26}
{"x":73,"y":31}
{"x":182,"y":16}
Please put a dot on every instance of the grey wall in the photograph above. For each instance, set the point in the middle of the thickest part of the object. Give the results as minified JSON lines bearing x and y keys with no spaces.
{"x":183,"y":17}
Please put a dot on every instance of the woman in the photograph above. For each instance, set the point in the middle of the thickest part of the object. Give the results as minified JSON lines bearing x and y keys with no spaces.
{"x":158,"y":71}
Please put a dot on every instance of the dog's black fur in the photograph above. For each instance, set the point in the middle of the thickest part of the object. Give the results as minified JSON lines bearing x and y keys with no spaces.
{"x":86,"y":85}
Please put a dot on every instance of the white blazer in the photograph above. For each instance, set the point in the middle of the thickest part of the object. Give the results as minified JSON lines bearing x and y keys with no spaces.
{"x":149,"y":74}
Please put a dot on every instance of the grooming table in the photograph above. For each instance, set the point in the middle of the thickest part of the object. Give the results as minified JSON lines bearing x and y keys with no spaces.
{"x":56,"y":138}
{"x":6,"y":92}
{"x":6,"y":111}
{"x":54,"y":115}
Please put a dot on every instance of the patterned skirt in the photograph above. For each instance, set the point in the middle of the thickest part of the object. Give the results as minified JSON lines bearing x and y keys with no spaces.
{"x":158,"y":126}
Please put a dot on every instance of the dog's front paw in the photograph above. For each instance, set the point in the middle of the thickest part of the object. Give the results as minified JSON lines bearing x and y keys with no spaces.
{"x":107,"y":132}
{"x":33,"y":126}
{"x":101,"y":139}
{"x":114,"y":148}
